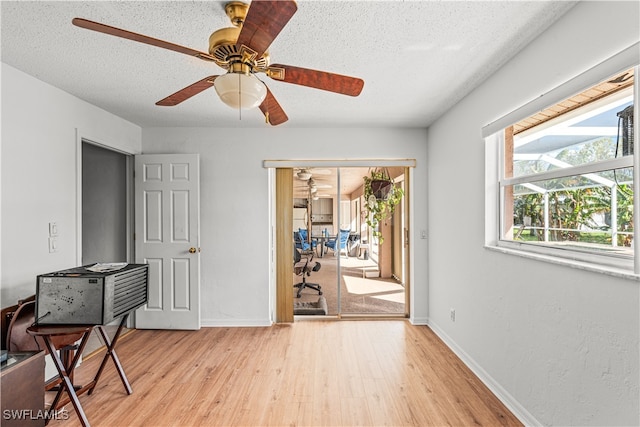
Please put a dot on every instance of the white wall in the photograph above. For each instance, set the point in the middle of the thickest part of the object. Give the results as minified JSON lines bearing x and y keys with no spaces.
{"x":560,"y":344}
{"x":39,"y":173}
{"x":234,"y":207}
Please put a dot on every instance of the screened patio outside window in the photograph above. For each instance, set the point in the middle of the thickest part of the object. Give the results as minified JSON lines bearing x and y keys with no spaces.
{"x":565,"y":174}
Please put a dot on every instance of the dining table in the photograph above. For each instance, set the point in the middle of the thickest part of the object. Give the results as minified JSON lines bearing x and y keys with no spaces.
{"x":320,"y":240}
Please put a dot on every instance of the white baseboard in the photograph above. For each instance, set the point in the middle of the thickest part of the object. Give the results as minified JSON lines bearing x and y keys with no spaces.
{"x":503,"y":395}
{"x":419,"y":321}
{"x":230,"y":323}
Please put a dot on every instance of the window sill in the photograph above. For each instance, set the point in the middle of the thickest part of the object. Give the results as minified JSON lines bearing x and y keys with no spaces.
{"x":581,"y":265}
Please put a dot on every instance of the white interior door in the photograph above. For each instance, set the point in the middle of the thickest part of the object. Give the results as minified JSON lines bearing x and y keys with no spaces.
{"x":167,"y":202}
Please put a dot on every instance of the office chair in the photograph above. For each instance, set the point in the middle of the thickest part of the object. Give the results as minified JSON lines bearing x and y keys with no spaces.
{"x":303,"y":268}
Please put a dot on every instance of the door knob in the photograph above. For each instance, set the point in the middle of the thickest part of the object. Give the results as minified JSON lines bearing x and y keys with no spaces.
{"x":192,"y":250}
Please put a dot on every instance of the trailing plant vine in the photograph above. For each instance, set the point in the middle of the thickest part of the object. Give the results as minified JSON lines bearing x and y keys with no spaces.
{"x":381,"y":197}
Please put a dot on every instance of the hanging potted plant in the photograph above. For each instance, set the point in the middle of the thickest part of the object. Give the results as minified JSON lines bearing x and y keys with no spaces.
{"x":380,"y":185}
{"x":381,"y":197}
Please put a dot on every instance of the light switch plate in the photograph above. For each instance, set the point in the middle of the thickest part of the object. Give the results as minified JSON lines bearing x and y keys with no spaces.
{"x":53,"y":229}
{"x":53,"y":244}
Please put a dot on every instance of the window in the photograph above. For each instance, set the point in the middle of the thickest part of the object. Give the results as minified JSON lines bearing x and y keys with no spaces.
{"x":565,"y":173}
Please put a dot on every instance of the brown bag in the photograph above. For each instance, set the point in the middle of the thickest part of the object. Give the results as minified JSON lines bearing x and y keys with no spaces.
{"x":19,"y":340}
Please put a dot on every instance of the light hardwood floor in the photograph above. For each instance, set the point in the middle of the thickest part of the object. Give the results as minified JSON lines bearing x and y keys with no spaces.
{"x":309,"y":373}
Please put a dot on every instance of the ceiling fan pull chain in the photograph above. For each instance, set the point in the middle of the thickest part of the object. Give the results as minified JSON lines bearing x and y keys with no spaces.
{"x":266,"y":113}
{"x":239,"y":97}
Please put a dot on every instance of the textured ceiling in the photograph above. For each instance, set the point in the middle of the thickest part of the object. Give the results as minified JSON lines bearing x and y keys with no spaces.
{"x":417,"y":58}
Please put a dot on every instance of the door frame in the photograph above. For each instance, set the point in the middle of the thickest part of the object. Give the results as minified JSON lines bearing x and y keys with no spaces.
{"x":281,"y":282}
{"x":283,"y":252}
{"x":81,"y":137}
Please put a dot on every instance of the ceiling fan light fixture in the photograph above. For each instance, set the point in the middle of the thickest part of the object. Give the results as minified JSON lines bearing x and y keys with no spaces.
{"x":304,"y":175}
{"x":240,"y":90}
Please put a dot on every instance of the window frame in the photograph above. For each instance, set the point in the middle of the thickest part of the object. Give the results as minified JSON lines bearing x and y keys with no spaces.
{"x":494,"y":136}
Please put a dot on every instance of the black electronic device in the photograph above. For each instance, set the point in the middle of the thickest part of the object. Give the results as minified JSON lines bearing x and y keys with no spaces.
{"x":90,"y":294}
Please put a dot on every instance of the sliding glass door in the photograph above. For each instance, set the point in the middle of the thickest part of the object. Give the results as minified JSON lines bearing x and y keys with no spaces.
{"x":371,"y":271}
{"x":316,"y":218}
{"x":347,"y":265}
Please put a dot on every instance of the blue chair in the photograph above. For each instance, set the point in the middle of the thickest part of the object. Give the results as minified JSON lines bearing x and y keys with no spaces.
{"x":297,"y":240}
{"x":339,"y":243}
{"x":302,"y":241}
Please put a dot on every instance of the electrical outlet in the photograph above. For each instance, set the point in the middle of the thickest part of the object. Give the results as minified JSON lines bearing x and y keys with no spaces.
{"x":53,"y":229}
{"x":53,"y":244}
{"x":452,"y":314}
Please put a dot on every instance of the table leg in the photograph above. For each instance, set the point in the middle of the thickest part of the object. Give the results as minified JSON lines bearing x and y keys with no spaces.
{"x":320,"y":248}
{"x":69,"y":367}
{"x":64,"y":376}
{"x":111,"y":352}
{"x":67,"y":354}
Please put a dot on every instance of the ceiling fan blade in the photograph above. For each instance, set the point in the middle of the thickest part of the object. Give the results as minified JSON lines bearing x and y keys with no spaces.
{"x":187,"y":92}
{"x":264,"y":21}
{"x":113,"y":31}
{"x":272,"y":110}
{"x":317,"y":79}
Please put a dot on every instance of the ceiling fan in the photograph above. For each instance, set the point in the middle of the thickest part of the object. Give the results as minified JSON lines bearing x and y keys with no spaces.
{"x":242,"y":51}
{"x":309,"y":188}
{"x":306,"y":173}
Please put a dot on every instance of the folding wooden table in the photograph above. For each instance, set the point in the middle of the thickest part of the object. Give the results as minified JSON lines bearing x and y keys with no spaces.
{"x":65,"y":369}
